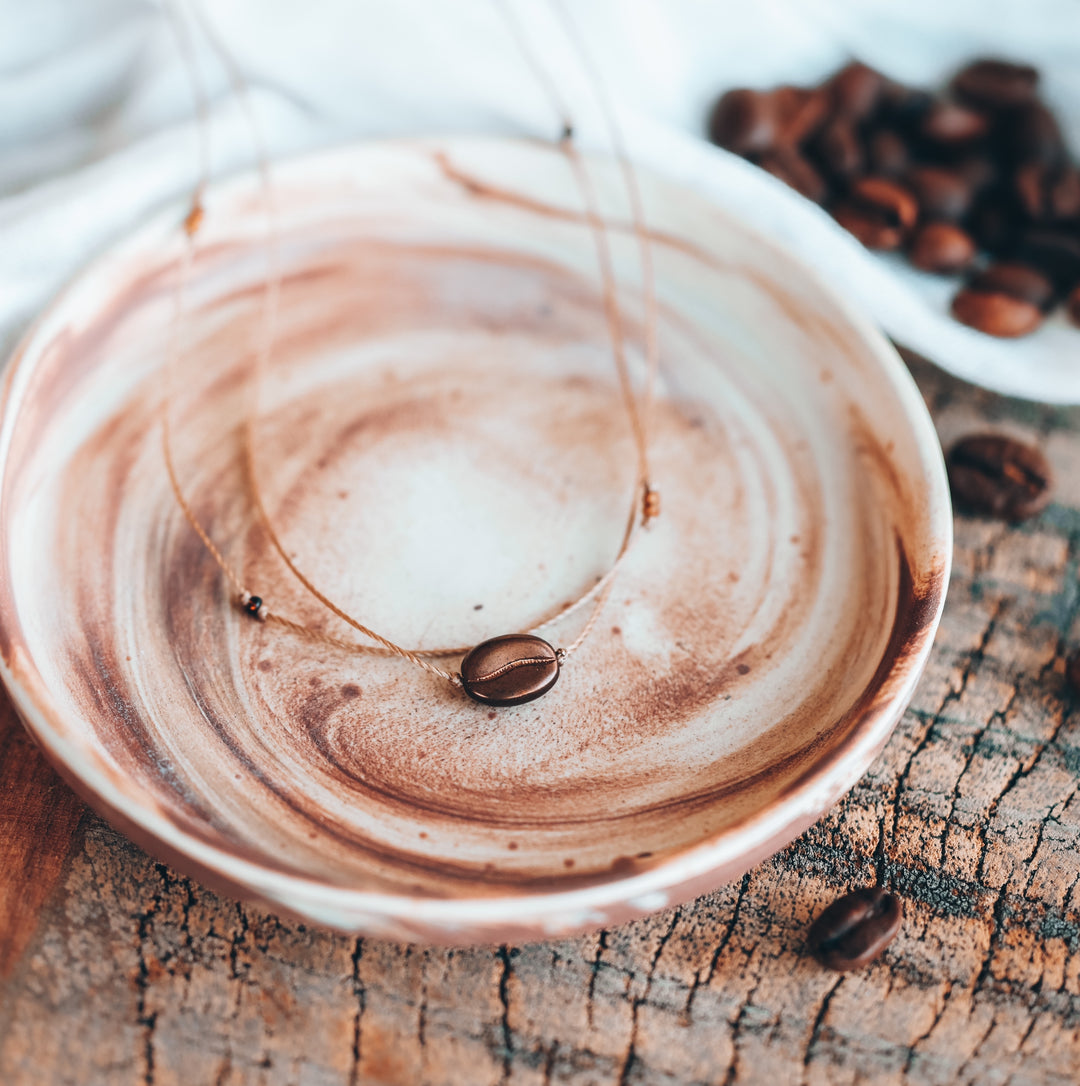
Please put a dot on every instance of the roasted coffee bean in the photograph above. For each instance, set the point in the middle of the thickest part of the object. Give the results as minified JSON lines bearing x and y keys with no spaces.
{"x":869,"y":227}
{"x":799,"y":113}
{"x":941,"y":247}
{"x":510,"y":670}
{"x":856,"y":928}
{"x":995,"y":313}
{"x":998,"y":476}
{"x":942,"y":193}
{"x":888,"y":198}
{"x":856,"y":90}
{"x":887,"y":154}
{"x":950,"y":124}
{"x":1054,"y":252}
{"x":1031,"y":134}
{"x":996,"y":83}
{"x":794,"y":170}
{"x":744,"y":121}
{"x":1016,"y":280}
{"x":837,"y":149}
{"x":1072,"y":306}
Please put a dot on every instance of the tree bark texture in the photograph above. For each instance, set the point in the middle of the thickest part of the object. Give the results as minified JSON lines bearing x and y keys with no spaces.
{"x":117,"y":970}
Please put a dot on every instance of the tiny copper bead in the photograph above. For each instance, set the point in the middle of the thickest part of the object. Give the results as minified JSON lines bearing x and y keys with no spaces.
{"x":193,"y":220}
{"x":509,"y":670}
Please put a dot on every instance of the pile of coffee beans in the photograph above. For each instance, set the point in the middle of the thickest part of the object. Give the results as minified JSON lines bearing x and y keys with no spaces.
{"x":976,"y":180}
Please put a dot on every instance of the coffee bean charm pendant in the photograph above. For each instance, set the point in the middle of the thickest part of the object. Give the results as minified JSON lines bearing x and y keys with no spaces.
{"x":510,"y":670}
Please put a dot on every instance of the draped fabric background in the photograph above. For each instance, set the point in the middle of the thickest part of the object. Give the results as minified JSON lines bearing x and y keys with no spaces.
{"x":96,"y":116}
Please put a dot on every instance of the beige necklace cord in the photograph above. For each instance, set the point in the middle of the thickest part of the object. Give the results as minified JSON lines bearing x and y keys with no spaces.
{"x":505,"y":670}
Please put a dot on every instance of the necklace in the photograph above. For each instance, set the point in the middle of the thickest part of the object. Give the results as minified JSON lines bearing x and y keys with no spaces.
{"x":512,"y":668}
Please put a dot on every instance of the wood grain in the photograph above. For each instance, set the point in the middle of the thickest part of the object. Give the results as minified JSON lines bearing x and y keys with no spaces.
{"x":137,"y":975}
{"x":38,"y":819}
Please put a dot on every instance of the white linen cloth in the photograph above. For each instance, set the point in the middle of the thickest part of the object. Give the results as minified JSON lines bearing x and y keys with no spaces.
{"x":97,"y":131}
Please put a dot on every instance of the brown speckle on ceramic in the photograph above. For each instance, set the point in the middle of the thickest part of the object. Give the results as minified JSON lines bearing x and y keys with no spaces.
{"x":443,"y":364}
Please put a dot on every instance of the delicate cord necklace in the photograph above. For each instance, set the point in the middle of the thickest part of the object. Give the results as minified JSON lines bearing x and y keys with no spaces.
{"x":512,"y":668}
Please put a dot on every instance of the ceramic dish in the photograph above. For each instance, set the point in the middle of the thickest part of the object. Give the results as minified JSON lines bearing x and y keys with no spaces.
{"x":443,"y":448}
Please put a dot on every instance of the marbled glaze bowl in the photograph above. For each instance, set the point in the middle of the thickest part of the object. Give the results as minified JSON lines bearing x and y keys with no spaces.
{"x":443,"y":449}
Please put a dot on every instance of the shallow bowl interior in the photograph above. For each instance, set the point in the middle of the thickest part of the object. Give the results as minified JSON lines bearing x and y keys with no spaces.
{"x":441,"y":444}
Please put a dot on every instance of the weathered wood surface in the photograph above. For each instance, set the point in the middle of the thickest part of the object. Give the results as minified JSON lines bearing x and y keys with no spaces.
{"x":120,"y":971}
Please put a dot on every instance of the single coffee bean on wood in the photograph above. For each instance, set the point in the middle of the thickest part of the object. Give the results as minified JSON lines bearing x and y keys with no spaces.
{"x":856,"y":928}
{"x":996,"y":83}
{"x":942,"y":193}
{"x":869,"y":227}
{"x":942,"y":247}
{"x":999,"y":476}
{"x":1017,"y":280}
{"x":794,"y":170}
{"x":995,"y":313}
{"x":888,"y":199}
{"x":744,"y":121}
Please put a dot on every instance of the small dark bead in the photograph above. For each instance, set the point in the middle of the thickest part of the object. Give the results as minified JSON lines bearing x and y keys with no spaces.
{"x":253,"y":605}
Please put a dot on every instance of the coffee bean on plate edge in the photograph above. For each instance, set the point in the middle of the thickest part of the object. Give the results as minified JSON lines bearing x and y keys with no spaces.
{"x":999,"y":476}
{"x":971,"y":179}
{"x":941,"y":247}
{"x":856,"y":928}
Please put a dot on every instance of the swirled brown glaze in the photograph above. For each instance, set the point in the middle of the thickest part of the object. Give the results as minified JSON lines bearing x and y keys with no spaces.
{"x":443,"y":449}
